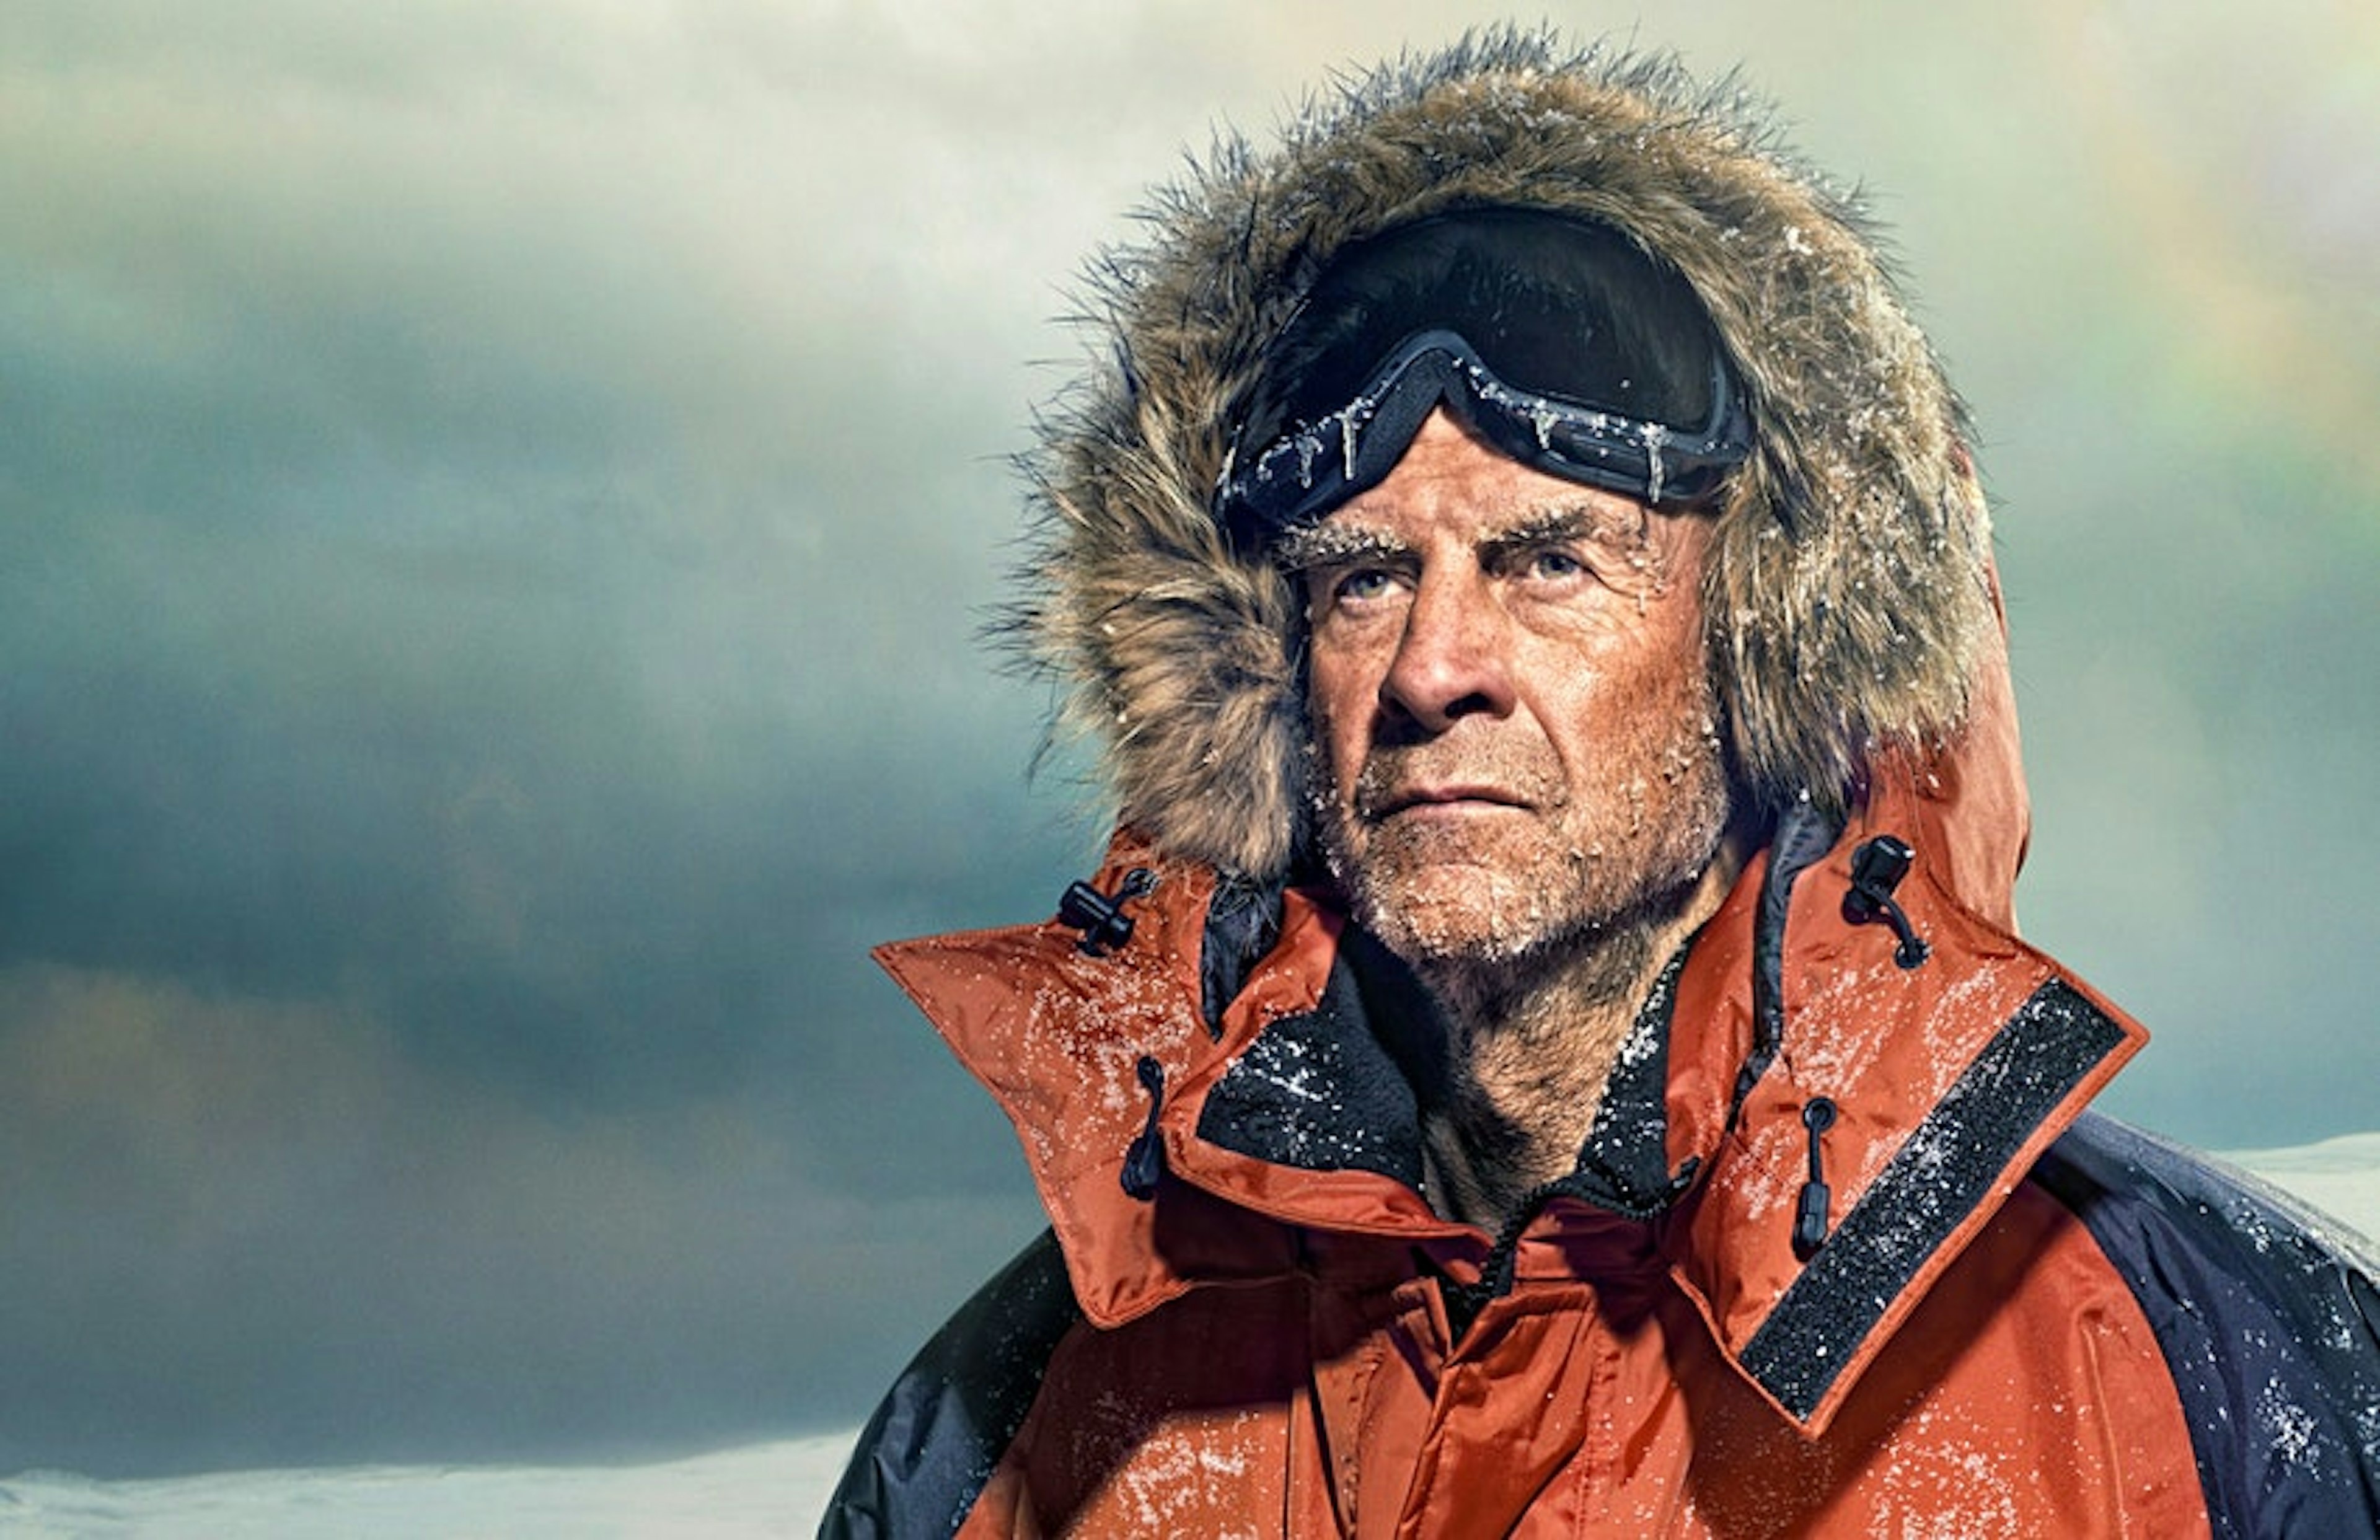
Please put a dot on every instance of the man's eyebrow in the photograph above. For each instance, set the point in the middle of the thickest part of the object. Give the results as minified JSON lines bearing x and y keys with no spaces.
{"x":1567,"y":521}
{"x":1323,"y":545}
{"x":1333,"y":544}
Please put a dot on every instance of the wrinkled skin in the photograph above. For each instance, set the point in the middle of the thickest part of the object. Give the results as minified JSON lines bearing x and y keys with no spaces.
{"x":1526,"y":800}
{"x":1512,"y":702}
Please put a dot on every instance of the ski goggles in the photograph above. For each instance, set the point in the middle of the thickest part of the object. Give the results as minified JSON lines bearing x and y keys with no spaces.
{"x":1555,"y":340}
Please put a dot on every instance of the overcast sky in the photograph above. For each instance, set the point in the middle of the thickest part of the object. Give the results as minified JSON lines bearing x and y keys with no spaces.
{"x":496,"y":502}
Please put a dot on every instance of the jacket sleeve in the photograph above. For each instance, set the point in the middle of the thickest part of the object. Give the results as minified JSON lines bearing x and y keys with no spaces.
{"x":938,"y":1433}
{"x":2268,"y":1317}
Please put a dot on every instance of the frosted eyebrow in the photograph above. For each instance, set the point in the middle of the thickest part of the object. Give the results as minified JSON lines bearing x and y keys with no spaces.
{"x":1328,"y":544}
{"x":1569,"y":521}
{"x":1323,"y":545}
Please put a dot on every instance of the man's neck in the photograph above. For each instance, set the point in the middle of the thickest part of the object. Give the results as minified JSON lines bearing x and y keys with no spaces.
{"x":1529,"y":1051}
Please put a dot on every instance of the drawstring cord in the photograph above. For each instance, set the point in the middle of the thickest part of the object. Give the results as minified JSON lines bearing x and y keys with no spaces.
{"x":1106,"y":928}
{"x":1144,"y":1162}
{"x":1810,"y":1218}
{"x":1877,"y":867}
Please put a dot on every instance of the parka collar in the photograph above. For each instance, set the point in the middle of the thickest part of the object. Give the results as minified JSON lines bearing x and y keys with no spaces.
{"x":1934,"y":1086}
{"x":1101,"y":1058}
{"x":1945,"y":1080}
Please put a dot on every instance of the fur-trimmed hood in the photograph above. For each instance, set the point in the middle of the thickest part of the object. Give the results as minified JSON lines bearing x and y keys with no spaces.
{"x":1848,"y":599}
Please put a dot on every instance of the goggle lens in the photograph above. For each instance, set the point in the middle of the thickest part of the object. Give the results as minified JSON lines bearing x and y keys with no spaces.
{"x":1554,"y":339}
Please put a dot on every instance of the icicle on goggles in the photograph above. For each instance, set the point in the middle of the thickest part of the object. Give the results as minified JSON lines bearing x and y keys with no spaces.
{"x":1555,"y":340}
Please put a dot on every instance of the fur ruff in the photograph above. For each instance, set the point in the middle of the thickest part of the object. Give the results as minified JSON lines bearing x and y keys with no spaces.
{"x":1847,"y":601}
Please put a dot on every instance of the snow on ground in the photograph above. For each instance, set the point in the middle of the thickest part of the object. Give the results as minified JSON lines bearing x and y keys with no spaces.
{"x":765,"y":1490}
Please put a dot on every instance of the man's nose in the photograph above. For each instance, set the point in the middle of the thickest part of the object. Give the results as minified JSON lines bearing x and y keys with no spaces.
{"x":1453,"y":659}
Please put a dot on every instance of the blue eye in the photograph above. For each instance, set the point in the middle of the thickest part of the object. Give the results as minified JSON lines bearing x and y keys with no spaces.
{"x":1365,"y":584}
{"x":1553,"y":563}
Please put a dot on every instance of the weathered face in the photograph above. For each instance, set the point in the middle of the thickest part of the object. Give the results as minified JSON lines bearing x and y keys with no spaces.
{"x":1510,"y":699}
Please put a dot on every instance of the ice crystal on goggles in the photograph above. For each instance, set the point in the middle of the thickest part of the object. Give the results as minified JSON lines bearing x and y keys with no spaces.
{"x":1554,"y":339}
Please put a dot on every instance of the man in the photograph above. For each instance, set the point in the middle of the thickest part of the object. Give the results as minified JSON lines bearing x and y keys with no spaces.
{"x":1549,"y":1052}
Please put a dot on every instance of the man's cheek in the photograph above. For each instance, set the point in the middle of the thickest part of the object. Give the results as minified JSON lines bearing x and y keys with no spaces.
{"x":1343,"y":749}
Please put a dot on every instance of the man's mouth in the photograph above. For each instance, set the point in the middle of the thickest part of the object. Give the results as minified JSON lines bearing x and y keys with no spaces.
{"x":1450,"y":797}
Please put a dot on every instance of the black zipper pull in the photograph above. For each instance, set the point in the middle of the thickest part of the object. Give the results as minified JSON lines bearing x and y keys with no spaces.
{"x":1810,"y":1218}
{"x":1877,"y":867}
{"x":1144,"y":1160}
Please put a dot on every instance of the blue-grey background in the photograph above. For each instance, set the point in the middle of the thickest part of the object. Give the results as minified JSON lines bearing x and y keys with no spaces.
{"x":496,"y":502}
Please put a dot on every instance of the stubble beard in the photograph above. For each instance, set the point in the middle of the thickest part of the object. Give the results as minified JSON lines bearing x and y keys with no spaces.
{"x":1582,"y":884}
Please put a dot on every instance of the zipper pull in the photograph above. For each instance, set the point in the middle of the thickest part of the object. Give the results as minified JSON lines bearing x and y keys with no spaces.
{"x":1810,"y":1218}
{"x":1144,"y":1162}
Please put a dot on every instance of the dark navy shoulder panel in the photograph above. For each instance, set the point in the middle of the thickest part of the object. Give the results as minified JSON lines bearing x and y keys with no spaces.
{"x":923,"y":1458}
{"x":2268,"y":1317}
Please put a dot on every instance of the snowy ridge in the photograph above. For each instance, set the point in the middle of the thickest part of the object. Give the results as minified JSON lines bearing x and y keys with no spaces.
{"x":763,"y":1490}
{"x":2340,"y":1176}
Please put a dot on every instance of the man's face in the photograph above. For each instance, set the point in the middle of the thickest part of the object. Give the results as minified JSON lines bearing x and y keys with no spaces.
{"x":1509,"y":695}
